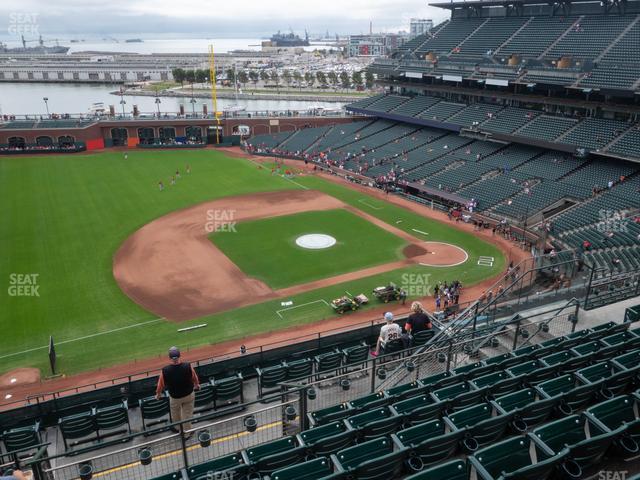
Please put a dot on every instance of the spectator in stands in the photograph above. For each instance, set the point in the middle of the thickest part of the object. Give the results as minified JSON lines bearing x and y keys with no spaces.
{"x":181,"y":380}
{"x":390,"y":331}
{"x":16,"y":475}
{"x":418,"y":321}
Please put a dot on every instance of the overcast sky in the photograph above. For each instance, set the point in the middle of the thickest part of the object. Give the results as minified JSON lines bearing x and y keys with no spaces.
{"x":215,"y":18}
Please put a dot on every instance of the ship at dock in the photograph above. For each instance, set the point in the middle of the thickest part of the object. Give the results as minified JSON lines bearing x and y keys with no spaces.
{"x":41,"y":48}
{"x":289,"y":40}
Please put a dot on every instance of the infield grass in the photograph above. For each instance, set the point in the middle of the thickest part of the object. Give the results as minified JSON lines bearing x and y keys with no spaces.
{"x":266,"y":249}
{"x":63,"y":217}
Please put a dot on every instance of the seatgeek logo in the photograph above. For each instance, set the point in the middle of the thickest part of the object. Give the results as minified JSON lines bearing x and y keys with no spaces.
{"x":220,"y":221}
{"x":24,"y":285}
{"x":21,"y":23}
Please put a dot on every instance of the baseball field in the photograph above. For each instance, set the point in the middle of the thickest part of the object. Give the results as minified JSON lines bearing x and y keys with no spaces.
{"x":96,"y":255}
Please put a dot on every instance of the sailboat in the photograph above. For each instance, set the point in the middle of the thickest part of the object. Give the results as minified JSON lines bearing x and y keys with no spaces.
{"x":236,"y":107}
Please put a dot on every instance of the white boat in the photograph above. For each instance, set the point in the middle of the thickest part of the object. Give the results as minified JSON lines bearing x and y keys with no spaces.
{"x":97,"y":108}
{"x":234,"y":108}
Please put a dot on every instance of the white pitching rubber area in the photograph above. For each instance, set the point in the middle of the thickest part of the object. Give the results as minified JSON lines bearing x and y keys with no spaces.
{"x":315,"y":241}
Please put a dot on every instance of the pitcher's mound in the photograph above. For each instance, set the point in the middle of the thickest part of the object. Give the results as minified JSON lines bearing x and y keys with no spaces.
{"x":20,"y":376}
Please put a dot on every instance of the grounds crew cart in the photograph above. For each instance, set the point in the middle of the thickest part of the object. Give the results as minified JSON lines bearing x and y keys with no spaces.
{"x":347,"y":303}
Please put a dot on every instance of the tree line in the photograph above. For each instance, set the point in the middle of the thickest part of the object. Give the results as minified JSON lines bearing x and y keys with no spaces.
{"x":287,"y":77}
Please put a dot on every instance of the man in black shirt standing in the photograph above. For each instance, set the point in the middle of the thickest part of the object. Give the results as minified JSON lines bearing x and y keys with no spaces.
{"x":181,"y":380}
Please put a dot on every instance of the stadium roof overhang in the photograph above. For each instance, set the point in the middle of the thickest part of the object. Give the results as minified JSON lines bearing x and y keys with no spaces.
{"x":507,"y":4}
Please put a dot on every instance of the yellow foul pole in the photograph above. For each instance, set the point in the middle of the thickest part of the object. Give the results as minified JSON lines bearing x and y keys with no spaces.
{"x":214,"y":95}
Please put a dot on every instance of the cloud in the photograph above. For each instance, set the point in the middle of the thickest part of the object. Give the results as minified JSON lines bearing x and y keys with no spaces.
{"x":251,"y":17}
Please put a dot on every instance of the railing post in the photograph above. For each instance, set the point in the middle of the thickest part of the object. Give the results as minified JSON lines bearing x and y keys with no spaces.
{"x":449,"y":352}
{"x":586,"y":296}
{"x":515,"y":337}
{"x":303,"y":409}
{"x":373,"y":375}
{"x":183,"y":443}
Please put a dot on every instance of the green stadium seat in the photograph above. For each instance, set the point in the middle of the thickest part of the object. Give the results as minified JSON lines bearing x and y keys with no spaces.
{"x":587,"y":348}
{"x":373,"y":460}
{"x":378,"y":399}
{"x":620,"y":412}
{"x":80,"y":428}
{"x":482,"y":424}
{"x":532,"y":372}
{"x":612,"y":380}
{"x":587,"y":443}
{"x":421,"y":338}
{"x":299,"y":370}
{"x":627,"y":361}
{"x":497,"y":383}
{"x":627,"y":337}
{"x":453,"y":470}
{"x":330,"y":414}
{"x":459,"y":396}
{"x":231,"y":465}
{"x":581,"y":334}
{"x":441,"y":380}
{"x":527,"y":407}
{"x":393,"y":348}
{"x":504,"y":361}
{"x":111,"y":418}
{"x":170,"y":476}
{"x":421,"y":408}
{"x":430,"y":443}
{"x":281,"y":453}
{"x":517,"y":458}
{"x":21,"y":438}
{"x":227,"y":389}
{"x":327,"y":363}
{"x":565,"y":361}
{"x":610,"y":328}
{"x":355,"y":356}
{"x":473,"y":370}
{"x":413,"y":436}
{"x":154,"y":411}
{"x":375,"y":423}
{"x":405,"y":390}
{"x":555,"y":341}
{"x":204,"y":397}
{"x":270,"y":378}
{"x":572,"y":395}
{"x":327,"y":439}
{"x":528,"y":351}
{"x":316,"y":469}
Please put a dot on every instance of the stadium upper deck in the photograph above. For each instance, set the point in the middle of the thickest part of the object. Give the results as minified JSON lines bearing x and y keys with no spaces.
{"x":589,"y":47}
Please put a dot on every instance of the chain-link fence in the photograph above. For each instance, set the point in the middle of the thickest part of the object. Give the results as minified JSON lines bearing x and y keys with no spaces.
{"x":144,"y":458}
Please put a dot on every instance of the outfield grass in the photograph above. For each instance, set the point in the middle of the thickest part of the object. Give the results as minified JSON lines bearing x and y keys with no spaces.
{"x":63,"y":218}
{"x":266,"y":249}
